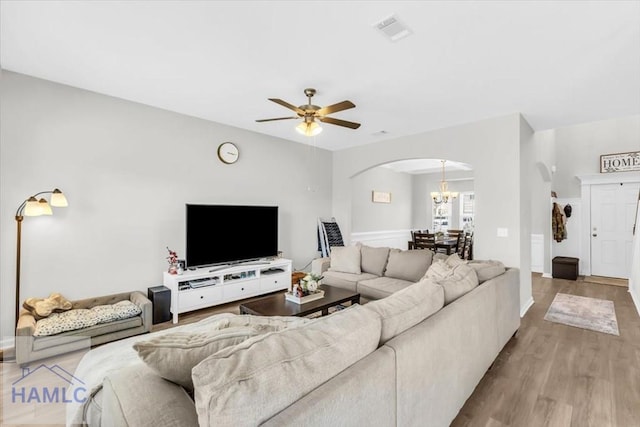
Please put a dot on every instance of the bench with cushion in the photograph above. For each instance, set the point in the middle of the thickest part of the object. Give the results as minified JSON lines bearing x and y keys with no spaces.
{"x":34,"y":343}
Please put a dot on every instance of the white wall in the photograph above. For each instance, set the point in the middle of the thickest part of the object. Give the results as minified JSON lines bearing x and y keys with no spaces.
{"x":544,"y":157}
{"x":370,"y":216}
{"x":578,"y":149}
{"x":527,"y":169}
{"x":491,"y":147}
{"x":128,"y":170}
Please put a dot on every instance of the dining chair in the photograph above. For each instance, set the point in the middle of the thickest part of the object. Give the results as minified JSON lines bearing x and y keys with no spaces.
{"x":467,"y":251}
{"x":424,"y":241}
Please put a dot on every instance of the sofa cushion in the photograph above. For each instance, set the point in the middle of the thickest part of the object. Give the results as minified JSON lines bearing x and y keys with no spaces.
{"x":487,"y":270}
{"x":173,"y":355}
{"x":456,"y":281}
{"x":345,"y":280}
{"x":373,"y":260}
{"x":407,"y":307}
{"x":381,"y":287}
{"x":125,"y":309}
{"x":247,"y":384}
{"x":82,"y":318}
{"x":42,"y":342}
{"x":67,"y":321}
{"x":345,"y":259}
{"x":408,"y":265}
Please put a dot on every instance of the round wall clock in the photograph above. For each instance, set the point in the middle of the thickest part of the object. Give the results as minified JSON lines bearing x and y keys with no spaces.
{"x":228,"y":153}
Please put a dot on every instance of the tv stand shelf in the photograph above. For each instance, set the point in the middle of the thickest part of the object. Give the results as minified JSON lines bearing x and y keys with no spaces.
{"x":211,"y":286}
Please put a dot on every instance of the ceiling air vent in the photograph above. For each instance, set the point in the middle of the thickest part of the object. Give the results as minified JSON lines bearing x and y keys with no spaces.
{"x":393,"y":29}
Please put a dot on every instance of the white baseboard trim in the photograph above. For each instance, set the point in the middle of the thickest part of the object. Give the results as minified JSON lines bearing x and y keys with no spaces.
{"x":526,"y":307}
{"x":635,"y":300}
{"x":547,"y":276}
{"x":7,"y":343}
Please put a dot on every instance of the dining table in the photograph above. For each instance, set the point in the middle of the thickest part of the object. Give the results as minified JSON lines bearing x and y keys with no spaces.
{"x":449,"y":244}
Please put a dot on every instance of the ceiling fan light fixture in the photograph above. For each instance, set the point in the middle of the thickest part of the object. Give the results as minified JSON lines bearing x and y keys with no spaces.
{"x":309,"y":128}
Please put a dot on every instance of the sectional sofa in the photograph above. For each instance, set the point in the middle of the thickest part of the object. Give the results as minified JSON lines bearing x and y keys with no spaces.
{"x":411,"y":358}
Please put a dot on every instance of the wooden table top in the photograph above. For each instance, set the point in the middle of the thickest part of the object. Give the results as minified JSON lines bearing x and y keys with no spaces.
{"x":277,"y":305}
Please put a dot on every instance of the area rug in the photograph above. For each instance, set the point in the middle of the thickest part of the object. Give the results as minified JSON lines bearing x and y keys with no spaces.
{"x":582,"y":312}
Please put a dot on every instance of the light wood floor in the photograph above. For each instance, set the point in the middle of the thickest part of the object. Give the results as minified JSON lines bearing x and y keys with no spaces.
{"x":558,"y":375}
{"x":551,"y":374}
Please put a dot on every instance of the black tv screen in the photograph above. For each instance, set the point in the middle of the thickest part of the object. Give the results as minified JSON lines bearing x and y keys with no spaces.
{"x":219,"y":234}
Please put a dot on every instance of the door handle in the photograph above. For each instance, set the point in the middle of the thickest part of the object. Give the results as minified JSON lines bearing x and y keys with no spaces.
{"x":594,"y":235}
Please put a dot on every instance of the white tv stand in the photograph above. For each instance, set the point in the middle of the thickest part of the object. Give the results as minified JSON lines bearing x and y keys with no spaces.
{"x":210,"y":286}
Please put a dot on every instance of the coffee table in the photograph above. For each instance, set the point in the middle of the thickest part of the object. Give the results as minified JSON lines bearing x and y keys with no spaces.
{"x":277,"y":305}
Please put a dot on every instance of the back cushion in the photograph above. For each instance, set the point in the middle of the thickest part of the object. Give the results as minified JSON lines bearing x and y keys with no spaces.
{"x":374,"y":260}
{"x":408,"y":265}
{"x":487,"y":270}
{"x":173,"y":355}
{"x":407,"y":307}
{"x":345,"y":259}
{"x":456,"y":281}
{"x":247,"y":384}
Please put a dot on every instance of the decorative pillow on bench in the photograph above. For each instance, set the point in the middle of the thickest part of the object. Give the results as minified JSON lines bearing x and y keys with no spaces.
{"x":43,"y":307}
{"x":80,"y":318}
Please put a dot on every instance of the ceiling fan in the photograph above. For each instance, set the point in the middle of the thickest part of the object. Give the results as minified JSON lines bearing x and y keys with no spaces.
{"x":310,"y":113}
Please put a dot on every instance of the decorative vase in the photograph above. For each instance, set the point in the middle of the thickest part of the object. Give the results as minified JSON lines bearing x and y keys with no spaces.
{"x":173,"y":268}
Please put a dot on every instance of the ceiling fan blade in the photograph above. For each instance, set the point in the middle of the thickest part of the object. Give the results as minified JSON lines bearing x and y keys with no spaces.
{"x":278,"y":118}
{"x":287,"y":105}
{"x":340,"y":106}
{"x":339,"y":122}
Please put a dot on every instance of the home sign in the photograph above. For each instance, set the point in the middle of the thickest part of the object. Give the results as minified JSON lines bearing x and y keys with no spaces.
{"x":620,"y":162}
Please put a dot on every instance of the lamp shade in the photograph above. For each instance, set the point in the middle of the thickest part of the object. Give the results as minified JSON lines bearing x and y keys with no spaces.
{"x":32,"y":207}
{"x":309,"y":128}
{"x":58,"y":199}
{"x":45,"y":209}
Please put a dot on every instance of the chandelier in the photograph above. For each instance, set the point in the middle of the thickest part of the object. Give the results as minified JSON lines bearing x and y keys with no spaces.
{"x":444,"y":194}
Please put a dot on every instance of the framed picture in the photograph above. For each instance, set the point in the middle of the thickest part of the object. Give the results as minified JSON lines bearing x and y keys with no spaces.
{"x":381,"y":197}
{"x":620,"y":162}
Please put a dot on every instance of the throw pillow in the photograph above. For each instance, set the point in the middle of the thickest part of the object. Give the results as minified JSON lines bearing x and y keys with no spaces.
{"x":487,"y":270}
{"x":456,"y":281}
{"x":345,"y":259}
{"x":173,"y":355}
{"x":408,"y":265}
{"x":374,"y":260}
{"x":43,"y":307}
{"x":453,"y":260}
{"x":407,"y":307}
{"x":62,"y":322}
{"x":230,"y":385}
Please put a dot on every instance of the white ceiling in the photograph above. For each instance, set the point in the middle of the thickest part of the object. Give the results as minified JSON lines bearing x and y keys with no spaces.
{"x":559,"y":63}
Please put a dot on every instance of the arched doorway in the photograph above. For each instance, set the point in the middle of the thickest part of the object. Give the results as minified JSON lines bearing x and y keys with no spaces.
{"x":404,"y":201}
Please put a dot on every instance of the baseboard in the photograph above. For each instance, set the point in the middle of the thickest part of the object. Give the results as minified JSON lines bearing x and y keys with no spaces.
{"x":526,"y":307}
{"x":547,"y":276}
{"x":635,"y":300}
{"x":7,"y":343}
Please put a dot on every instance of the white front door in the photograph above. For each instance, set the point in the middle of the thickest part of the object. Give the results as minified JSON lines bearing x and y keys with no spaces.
{"x":613,"y":210}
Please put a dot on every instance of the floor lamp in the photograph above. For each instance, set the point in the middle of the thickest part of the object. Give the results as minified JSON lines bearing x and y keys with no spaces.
{"x":33,"y":207}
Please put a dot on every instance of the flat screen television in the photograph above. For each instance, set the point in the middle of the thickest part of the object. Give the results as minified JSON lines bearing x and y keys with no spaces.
{"x":223,"y":234}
